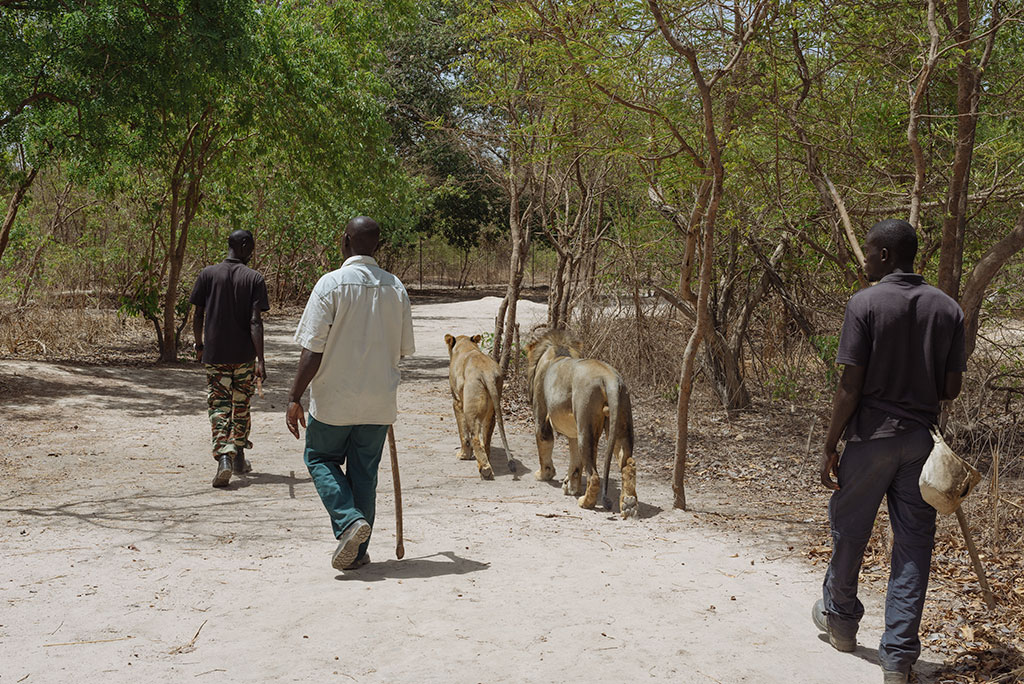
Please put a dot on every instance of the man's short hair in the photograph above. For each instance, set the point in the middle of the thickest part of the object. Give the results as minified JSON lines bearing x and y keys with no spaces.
{"x":899,"y":237}
{"x":240,"y":238}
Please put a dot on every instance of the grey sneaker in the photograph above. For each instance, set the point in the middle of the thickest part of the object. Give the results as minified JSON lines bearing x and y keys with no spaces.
{"x":840,"y":643}
{"x":895,"y":677}
{"x":349,"y":543}
{"x":358,"y":562}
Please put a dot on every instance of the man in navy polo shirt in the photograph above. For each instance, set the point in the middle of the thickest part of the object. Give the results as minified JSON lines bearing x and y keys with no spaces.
{"x":902,"y":351}
{"x":229,"y":298}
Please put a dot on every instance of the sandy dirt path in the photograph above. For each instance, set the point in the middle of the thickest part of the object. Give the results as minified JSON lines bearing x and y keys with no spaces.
{"x":120,"y":563}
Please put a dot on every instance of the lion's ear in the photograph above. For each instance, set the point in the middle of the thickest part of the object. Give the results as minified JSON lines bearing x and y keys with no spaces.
{"x":475,"y":339}
{"x":450,"y":341}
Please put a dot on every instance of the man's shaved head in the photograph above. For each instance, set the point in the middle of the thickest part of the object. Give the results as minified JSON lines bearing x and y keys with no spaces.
{"x":363,"y":235}
{"x":241,"y":245}
{"x":240,"y":238}
{"x":899,"y":238}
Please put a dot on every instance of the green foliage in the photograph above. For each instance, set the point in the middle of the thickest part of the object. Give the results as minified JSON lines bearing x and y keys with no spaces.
{"x":783,"y":384}
{"x":827,"y":347}
{"x":487,"y":342}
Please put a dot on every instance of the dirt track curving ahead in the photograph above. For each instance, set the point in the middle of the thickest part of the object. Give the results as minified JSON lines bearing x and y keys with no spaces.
{"x":120,"y":563}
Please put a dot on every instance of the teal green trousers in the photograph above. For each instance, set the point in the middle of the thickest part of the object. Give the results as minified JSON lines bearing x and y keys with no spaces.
{"x":348,"y":493}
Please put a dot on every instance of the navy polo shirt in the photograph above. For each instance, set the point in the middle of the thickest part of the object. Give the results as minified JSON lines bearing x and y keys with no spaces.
{"x":907,"y":335}
{"x":229,"y":291}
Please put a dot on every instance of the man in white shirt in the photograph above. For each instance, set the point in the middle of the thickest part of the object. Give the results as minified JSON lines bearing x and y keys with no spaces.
{"x":355,"y":328}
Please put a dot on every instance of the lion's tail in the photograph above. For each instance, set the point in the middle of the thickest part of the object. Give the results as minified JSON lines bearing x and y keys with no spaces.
{"x":493,"y":384}
{"x":612,"y":393}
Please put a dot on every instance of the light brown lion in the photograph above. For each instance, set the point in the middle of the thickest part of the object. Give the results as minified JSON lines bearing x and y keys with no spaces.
{"x":580,"y":398}
{"x":476,"y":397}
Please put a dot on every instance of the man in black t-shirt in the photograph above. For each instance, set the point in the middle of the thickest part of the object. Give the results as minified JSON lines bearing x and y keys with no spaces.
{"x":902,"y":348}
{"x":230,"y":298}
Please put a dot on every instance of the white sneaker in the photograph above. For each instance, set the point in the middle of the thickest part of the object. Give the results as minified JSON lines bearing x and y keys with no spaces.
{"x":348,"y":544}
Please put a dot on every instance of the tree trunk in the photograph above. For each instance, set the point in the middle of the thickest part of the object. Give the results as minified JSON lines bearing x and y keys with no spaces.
{"x":692,"y":345}
{"x":519,"y":228}
{"x":557,"y":291}
{"x":169,"y":347}
{"x":951,"y":254}
{"x":570,"y":289}
{"x":12,"y":209}
{"x":986,"y":268}
{"x":36,"y":256}
{"x":725,"y":372}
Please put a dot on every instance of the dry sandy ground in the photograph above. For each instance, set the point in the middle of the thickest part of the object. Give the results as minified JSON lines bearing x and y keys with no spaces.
{"x":120,"y":563}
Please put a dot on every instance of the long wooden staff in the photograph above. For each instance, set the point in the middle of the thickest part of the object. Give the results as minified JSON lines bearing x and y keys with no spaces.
{"x":986,"y":592}
{"x":979,"y":570}
{"x":399,"y":545}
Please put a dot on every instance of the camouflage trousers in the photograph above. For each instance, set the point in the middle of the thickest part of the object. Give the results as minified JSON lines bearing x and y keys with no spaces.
{"x":229,"y":388}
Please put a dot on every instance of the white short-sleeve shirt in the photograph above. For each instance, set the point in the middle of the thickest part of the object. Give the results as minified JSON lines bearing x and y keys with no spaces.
{"x":359,"y":317}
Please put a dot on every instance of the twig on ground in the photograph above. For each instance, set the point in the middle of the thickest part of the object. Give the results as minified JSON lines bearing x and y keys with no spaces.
{"x":43,"y":581}
{"x":93,"y":641}
{"x":185,"y":648}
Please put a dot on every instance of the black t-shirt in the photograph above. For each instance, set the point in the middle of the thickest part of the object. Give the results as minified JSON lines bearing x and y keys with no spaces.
{"x":229,"y":291}
{"x":908,"y":335}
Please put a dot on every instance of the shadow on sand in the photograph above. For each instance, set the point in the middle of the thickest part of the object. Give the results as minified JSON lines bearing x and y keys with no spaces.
{"x":925,"y":669}
{"x":414,"y":568}
{"x":645,"y":510}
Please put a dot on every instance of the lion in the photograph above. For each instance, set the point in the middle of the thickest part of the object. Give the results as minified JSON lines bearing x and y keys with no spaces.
{"x":476,"y":398}
{"x":580,"y":398}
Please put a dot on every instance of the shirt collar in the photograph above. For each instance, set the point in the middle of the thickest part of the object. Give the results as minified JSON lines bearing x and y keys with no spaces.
{"x":908,"y":278}
{"x":360,"y":259}
{"x":233,"y":260}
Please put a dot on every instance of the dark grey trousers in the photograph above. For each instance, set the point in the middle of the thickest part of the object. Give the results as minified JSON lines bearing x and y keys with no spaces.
{"x":867,"y":471}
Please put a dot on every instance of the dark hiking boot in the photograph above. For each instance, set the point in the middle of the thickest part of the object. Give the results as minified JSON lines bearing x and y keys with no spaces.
{"x":223,"y":476}
{"x":840,"y":643}
{"x":348,"y":544}
{"x":240,"y":464}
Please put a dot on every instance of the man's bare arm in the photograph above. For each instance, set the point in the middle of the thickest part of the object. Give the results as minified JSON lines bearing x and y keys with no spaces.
{"x":309,"y":364}
{"x":954,"y":383}
{"x":256,"y":331}
{"x":843,"y":406}
{"x":197,"y":330}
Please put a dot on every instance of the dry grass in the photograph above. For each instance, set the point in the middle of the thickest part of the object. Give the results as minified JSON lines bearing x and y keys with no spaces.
{"x":84,"y":335}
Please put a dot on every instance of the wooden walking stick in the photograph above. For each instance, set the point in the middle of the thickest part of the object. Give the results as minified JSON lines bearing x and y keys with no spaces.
{"x":399,"y":544}
{"x":986,"y":592}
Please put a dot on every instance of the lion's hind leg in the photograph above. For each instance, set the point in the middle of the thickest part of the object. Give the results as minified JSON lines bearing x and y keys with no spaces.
{"x":629,"y":505}
{"x":465,"y":439}
{"x":483,"y":464}
{"x":593,"y":493}
{"x":545,"y":445}
{"x":571,"y":485}
{"x":589,"y":436}
{"x":477,"y":427}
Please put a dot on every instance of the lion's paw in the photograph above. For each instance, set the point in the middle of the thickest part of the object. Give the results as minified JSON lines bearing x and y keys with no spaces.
{"x":465,"y":455}
{"x":486,"y":473}
{"x":584,"y":503}
{"x":630,"y":507}
{"x":544,"y":474}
